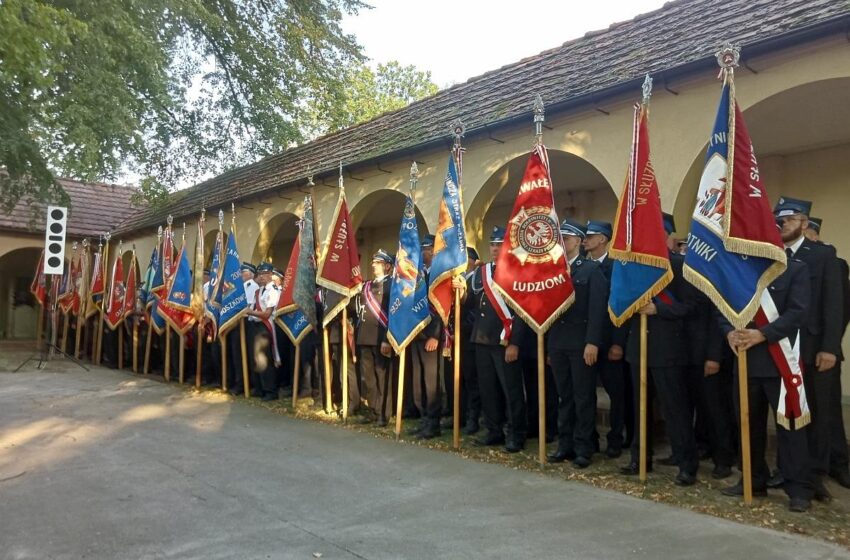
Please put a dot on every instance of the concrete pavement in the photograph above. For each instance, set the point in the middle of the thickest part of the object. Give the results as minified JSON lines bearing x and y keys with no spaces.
{"x":102,"y":464}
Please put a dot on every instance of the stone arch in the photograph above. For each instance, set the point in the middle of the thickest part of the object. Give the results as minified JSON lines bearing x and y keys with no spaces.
{"x":275,"y":240}
{"x":18,"y":310}
{"x":580,"y":191}
{"x":376,"y":219}
{"x":801,"y":138}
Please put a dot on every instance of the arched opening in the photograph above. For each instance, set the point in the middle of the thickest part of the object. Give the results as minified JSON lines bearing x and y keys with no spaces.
{"x":376,"y":219}
{"x":274,"y":244}
{"x":18,"y":309}
{"x":580,"y":190}
{"x":801,"y":138}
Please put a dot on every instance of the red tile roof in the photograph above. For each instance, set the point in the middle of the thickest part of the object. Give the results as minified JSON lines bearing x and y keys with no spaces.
{"x":680,"y":37}
{"x":94,"y":209}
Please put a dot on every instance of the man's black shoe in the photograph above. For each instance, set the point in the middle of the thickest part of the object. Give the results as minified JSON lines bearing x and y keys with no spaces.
{"x":841,"y":477}
{"x":514,"y":446}
{"x":799,"y":505}
{"x":685,"y":479}
{"x":633,"y":469}
{"x":447,"y":423}
{"x":414,"y":431}
{"x":613,"y":452}
{"x":269,"y":397}
{"x":561,"y":455}
{"x":471,"y":427}
{"x":776,"y":480}
{"x":381,"y":422}
{"x":236,"y":392}
{"x":668,"y":461}
{"x":256,"y":393}
{"x":721,"y":471}
{"x":821,"y":493}
{"x":490,"y":438}
{"x":581,"y":462}
{"x":429,"y":431}
{"x":738,"y":490}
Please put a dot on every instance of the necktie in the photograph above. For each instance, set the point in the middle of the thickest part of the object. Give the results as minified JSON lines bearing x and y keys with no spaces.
{"x":789,"y":252}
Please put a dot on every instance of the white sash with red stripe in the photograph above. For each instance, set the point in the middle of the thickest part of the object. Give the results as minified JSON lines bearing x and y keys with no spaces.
{"x":499,"y":305}
{"x":269,"y":326}
{"x":374,"y":306}
{"x":792,"y":403}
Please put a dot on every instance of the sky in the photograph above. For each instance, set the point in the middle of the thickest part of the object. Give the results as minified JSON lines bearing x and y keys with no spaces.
{"x":460,"y":39}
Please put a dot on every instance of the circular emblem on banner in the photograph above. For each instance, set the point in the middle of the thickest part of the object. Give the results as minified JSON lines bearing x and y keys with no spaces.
{"x":534,"y":235}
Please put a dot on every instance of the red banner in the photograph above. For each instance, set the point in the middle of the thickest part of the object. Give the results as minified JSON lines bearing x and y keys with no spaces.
{"x":130,"y":292}
{"x":339,"y":270}
{"x":286,"y":303}
{"x":532,"y":272}
{"x":115,"y":300}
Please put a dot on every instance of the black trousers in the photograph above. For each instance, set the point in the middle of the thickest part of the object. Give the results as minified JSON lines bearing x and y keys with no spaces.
{"x":794,"y":460}
{"x":613,"y":376}
{"x":310,"y":382}
{"x":470,"y":394}
{"x":261,"y":359}
{"x":820,"y":387}
{"x":670,"y":388}
{"x":234,"y":359}
{"x":502,"y":392}
{"x":695,"y":380}
{"x":576,"y":385}
{"x":375,"y":375}
{"x":838,"y":457}
{"x":717,"y":393}
{"x":426,"y":380}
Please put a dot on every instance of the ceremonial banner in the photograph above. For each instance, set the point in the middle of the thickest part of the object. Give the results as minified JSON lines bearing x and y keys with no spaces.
{"x":38,"y":286}
{"x":532,"y":272}
{"x":176,"y":307}
{"x":734,"y":247}
{"x":232,"y":298}
{"x":212,"y":306}
{"x":80,"y":287}
{"x":198,"y":274}
{"x":339,"y":269}
{"x":66,"y":287}
{"x":304,"y":291}
{"x":147,"y":295}
{"x":115,"y":297}
{"x":639,"y":244}
{"x":288,"y":315}
{"x":449,"y":245}
{"x":96,"y":286}
{"x":409,"y":312}
{"x":130,"y":291}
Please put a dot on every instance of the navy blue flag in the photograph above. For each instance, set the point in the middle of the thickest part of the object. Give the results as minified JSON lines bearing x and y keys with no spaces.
{"x":212,"y":305}
{"x":449,"y":244}
{"x":409,"y":310}
{"x":233,"y":298}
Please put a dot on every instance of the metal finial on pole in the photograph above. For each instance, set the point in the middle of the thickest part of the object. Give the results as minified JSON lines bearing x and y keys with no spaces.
{"x":74,"y":246}
{"x":232,"y":214}
{"x":728,"y":58}
{"x":183,"y":239}
{"x":221,"y":219}
{"x":169,"y":220}
{"x":340,"y":175}
{"x":159,"y":234}
{"x":414,"y":177}
{"x":107,"y":236}
{"x":647,"y":89}
{"x":458,"y":130}
{"x":539,"y":117}
{"x":86,"y":243}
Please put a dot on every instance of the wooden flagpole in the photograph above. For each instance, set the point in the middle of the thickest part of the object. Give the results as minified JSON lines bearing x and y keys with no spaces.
{"x":456,"y":341}
{"x":223,"y":341}
{"x":199,"y":356}
{"x":343,"y":367}
{"x":167,"y":366}
{"x":105,"y":266}
{"x":296,"y":375}
{"x":326,"y":350}
{"x":245,"y":376}
{"x":120,"y":336}
{"x":81,"y":324}
{"x":399,"y":407}
{"x":39,"y":325}
{"x":744,"y":398}
{"x":181,"y":359}
{"x":66,"y":323}
{"x":136,"y":346}
{"x":148,"y":340}
{"x":541,"y":398}
{"x":642,"y":466}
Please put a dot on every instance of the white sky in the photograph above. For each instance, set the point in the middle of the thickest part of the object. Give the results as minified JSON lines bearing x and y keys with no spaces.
{"x":460,"y":39}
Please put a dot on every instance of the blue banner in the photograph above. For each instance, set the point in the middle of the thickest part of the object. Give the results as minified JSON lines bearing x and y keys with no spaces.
{"x":295,"y":324}
{"x":409,"y":310}
{"x":147,"y":282}
{"x":233,"y":299}
{"x":212,"y":305}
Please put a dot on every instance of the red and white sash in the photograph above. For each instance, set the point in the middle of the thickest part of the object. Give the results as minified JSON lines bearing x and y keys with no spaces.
{"x":374,"y":306}
{"x":499,"y":305}
{"x":269,"y":326}
{"x":792,"y":396}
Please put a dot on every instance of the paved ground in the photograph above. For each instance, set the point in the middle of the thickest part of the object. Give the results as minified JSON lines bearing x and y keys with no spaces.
{"x":101,"y":464}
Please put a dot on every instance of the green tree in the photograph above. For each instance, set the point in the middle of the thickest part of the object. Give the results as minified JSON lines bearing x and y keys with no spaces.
{"x":368,"y":93}
{"x":169,"y":89}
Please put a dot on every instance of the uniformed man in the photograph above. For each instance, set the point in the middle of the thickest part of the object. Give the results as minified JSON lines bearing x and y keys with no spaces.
{"x":612,"y":368}
{"x":373,"y":350}
{"x":812,"y":231}
{"x":574,"y":343}
{"x":285,"y":349}
{"x":234,"y":350}
{"x":820,"y":344}
{"x":791,"y":293}
{"x":425,"y":363}
{"x":496,"y":355}
{"x":666,"y":362}
{"x":262,"y":347}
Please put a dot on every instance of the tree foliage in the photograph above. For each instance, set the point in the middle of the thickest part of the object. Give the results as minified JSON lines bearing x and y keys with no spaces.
{"x":368,"y":93}
{"x":169,"y":89}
